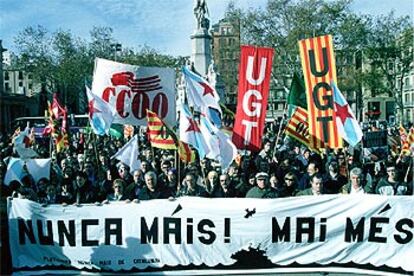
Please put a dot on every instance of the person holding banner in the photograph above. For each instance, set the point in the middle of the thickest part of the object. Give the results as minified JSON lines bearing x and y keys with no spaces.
{"x":134,"y":188}
{"x":118,"y":194}
{"x":355,"y":187}
{"x":83,"y":192}
{"x":316,"y":186}
{"x":152,"y":190}
{"x":390,"y":185}
{"x":262,"y":189}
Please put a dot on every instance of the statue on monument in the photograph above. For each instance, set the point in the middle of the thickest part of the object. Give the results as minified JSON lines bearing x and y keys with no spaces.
{"x":212,"y":74}
{"x":200,"y":11}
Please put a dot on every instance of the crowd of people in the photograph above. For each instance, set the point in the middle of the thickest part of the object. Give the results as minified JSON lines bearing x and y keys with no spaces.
{"x":84,"y":173}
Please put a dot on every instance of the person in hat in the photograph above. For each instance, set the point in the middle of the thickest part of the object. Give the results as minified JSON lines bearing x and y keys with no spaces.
{"x":262,"y":188}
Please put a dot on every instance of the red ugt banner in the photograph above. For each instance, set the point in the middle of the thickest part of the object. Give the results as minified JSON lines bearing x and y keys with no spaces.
{"x":254,"y":78}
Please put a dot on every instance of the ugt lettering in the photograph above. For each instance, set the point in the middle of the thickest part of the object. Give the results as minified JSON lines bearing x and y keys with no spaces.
{"x":251,"y":104}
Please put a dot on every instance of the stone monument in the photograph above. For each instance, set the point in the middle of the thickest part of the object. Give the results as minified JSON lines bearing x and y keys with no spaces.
{"x":214,"y":78}
{"x":201,"y":39}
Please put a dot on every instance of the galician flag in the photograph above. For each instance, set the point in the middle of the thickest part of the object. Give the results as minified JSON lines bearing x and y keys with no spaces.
{"x":190,"y":132}
{"x":200,"y":94}
{"x":346,"y":123}
{"x":101,"y":114}
{"x":220,"y":145}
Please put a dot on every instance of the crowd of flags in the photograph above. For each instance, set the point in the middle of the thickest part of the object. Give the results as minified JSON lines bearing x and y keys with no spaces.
{"x":57,"y":126}
{"x":200,"y":131}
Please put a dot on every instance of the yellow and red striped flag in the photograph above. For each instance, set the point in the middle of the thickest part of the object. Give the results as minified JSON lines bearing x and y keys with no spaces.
{"x":319,"y":70}
{"x":158,"y":133}
{"x":186,"y":154}
{"x":160,"y":136}
{"x":408,"y":142}
{"x":298,"y":127}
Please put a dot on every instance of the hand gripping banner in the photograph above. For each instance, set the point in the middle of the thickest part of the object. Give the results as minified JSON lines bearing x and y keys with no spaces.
{"x":319,"y":69}
{"x":254,"y":79}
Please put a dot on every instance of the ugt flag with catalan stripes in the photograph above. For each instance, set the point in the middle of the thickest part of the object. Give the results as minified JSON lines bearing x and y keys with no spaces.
{"x":319,"y":70}
{"x":101,"y":114}
{"x":346,"y":123}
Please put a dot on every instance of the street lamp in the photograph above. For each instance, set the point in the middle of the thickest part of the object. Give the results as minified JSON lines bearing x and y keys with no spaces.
{"x":117,"y":47}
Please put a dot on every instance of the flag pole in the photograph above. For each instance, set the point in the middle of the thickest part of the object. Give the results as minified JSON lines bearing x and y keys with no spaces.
{"x":412,"y":180}
{"x":95,"y":149}
{"x":279,"y":131}
{"x":178,"y":175}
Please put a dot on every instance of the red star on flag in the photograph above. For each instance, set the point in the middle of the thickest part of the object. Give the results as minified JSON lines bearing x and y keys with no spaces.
{"x":193,"y":126}
{"x":92,"y":108}
{"x":207,"y":89}
{"x":342,"y":112}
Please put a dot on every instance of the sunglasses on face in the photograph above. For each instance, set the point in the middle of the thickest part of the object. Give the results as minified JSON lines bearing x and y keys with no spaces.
{"x":289,"y":179}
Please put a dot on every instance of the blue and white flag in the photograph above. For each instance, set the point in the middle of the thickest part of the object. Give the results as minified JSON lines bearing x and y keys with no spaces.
{"x":346,"y":123}
{"x":200,"y":93}
{"x":220,"y":145}
{"x":101,"y":114}
{"x":190,"y":132}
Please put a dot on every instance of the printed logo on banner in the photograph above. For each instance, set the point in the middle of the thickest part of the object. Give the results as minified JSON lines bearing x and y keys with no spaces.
{"x":131,"y":90}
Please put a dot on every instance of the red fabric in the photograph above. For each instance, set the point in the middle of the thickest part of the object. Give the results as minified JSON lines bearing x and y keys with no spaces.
{"x":254,"y":81}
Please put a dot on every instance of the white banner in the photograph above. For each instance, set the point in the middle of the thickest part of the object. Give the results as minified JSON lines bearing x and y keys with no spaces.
{"x":132,"y":89}
{"x":376,"y":230}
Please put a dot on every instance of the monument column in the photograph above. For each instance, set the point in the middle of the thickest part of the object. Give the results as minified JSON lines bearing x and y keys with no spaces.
{"x":1,"y":68}
{"x":201,"y":39}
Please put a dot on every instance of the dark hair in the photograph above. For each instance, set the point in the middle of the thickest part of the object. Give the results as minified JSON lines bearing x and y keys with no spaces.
{"x":81,"y":174}
{"x":316,"y":175}
{"x":390,"y":164}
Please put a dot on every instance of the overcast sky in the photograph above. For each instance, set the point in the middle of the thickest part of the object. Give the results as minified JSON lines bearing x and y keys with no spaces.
{"x":165,"y":25}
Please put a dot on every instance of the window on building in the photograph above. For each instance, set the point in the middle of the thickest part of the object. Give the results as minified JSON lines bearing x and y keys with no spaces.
{"x":20,"y":75}
{"x":29,"y":76}
{"x":7,"y":87}
{"x":406,"y":98}
{"x":30,"y":86}
{"x":20,"y":84}
{"x":6,"y":76}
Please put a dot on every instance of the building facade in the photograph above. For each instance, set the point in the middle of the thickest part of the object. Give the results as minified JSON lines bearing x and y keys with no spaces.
{"x":226,"y":55}
{"x":408,"y":98}
{"x":17,"y":94}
